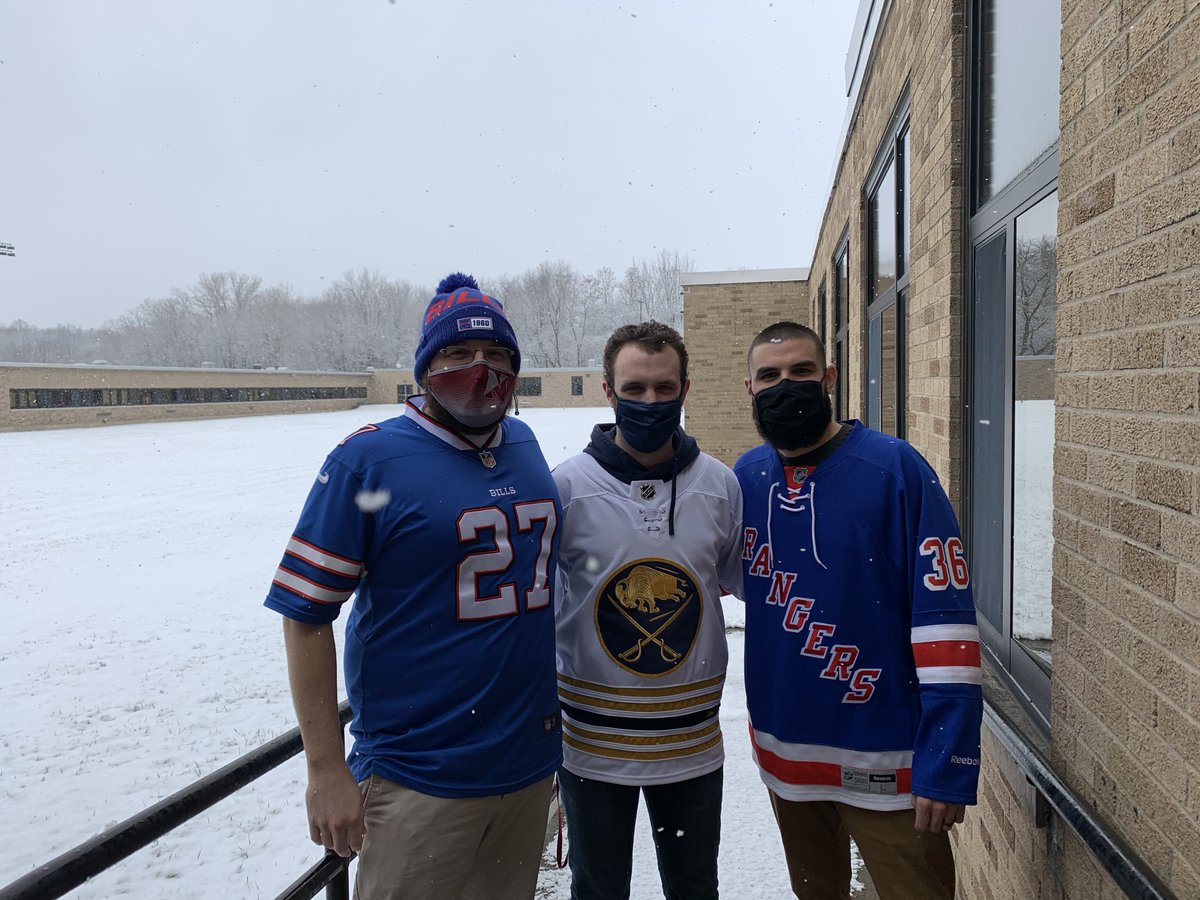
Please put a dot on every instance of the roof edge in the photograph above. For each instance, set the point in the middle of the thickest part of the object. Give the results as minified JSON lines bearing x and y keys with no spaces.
{"x":743,"y":276}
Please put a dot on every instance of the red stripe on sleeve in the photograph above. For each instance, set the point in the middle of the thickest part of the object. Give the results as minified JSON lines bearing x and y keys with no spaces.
{"x":946,"y":653}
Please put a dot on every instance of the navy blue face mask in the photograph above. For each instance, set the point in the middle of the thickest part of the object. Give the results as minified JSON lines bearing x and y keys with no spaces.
{"x":647,"y":426}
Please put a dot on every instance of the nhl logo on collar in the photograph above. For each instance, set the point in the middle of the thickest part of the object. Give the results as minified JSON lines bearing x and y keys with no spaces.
{"x":796,"y":476}
{"x":485,"y":457}
{"x":647,"y":490}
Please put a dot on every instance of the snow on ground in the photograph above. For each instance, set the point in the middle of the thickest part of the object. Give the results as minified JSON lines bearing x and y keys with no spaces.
{"x":136,"y":654}
{"x":1033,"y":518}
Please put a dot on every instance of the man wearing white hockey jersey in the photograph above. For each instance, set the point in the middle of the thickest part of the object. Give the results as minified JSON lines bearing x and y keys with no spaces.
{"x":651,"y":531}
{"x":441,"y":523}
{"x":862,"y":652}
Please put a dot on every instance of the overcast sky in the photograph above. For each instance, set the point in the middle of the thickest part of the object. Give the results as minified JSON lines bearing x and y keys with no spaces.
{"x":144,"y":143}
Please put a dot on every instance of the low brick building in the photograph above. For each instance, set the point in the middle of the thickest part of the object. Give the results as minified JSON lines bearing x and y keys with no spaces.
{"x":47,"y":396}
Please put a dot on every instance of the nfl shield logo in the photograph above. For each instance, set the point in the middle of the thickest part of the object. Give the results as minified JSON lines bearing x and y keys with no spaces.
{"x":485,"y":457}
{"x":647,"y":491}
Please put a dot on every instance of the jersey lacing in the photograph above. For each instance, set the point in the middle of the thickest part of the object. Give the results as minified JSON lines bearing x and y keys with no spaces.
{"x":787,"y":504}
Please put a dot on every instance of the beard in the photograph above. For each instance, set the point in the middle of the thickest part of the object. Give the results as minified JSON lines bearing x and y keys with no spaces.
{"x":796,"y":431}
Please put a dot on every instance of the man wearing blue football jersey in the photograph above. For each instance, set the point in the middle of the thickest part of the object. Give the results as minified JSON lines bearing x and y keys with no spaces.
{"x":862,"y":652}
{"x":442,"y":524}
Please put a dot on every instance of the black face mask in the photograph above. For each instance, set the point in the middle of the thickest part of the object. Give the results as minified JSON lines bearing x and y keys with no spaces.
{"x":792,"y":414}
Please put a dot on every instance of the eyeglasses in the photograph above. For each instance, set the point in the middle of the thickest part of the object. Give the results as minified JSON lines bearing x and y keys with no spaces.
{"x":461,"y":355}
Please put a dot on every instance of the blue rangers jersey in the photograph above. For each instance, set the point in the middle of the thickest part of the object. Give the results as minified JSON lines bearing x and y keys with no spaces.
{"x":862,"y":652}
{"x":450,"y":552}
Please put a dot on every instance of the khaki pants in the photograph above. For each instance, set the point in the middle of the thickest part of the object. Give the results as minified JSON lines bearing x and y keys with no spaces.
{"x":419,"y":847}
{"x":905,"y":864}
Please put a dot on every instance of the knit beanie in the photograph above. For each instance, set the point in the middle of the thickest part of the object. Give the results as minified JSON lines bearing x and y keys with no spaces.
{"x":460,"y":311}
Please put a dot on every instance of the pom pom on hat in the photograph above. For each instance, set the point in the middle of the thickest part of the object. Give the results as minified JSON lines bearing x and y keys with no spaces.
{"x":456,"y":280}
{"x":460,"y":311}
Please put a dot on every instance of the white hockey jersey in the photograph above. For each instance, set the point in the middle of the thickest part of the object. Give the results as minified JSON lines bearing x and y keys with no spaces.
{"x":641,"y":635}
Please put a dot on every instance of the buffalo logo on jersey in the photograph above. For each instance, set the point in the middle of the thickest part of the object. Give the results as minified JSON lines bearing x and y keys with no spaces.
{"x":648,"y":615}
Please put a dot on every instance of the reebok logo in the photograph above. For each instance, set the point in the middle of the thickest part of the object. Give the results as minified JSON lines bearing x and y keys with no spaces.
{"x":965,"y":760}
{"x":323,"y":478}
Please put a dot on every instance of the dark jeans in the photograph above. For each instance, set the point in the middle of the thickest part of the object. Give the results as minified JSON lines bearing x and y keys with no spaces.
{"x":686,"y":821}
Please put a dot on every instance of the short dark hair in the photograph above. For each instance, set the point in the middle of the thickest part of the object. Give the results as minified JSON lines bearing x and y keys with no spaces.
{"x":787,"y":331}
{"x":650,"y":336}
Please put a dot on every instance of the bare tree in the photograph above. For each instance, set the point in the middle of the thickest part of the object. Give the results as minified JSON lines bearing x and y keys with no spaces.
{"x":165,"y":332}
{"x":650,"y":289}
{"x":224,"y":300}
{"x":1036,"y":306}
{"x":369,"y":320}
{"x":541,"y":304}
{"x":362,"y":319}
{"x":22,"y":342}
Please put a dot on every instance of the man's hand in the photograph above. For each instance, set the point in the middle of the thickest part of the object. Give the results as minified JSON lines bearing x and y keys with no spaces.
{"x":936,"y":816}
{"x":335,"y":810}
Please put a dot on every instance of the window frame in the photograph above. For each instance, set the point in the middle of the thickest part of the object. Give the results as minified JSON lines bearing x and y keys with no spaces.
{"x":1025,"y":676}
{"x":891,"y":157}
{"x":841,"y":330}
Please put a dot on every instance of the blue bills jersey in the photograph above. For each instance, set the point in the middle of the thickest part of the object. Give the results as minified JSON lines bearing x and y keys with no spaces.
{"x":862,"y":652}
{"x":449,"y":551}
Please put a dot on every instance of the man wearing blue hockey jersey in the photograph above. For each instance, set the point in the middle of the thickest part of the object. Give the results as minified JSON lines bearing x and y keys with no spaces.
{"x":862,"y":652}
{"x":442,"y":524}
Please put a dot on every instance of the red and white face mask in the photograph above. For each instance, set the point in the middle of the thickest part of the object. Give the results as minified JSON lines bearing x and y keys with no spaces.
{"x":477,"y":395}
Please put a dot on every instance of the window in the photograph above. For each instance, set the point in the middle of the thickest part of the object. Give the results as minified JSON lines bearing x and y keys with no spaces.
{"x":576,"y":385}
{"x":65,"y":398}
{"x":887,"y":278}
{"x":529,"y":387}
{"x":1016,"y":78}
{"x":841,"y":327}
{"x":403,"y":392}
{"x":1008,"y":439}
{"x":1033,"y":352}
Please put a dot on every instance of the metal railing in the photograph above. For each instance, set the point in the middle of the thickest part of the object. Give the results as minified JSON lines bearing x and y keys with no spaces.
{"x":68,"y":871}
{"x":1131,"y":873}
{"x":71,"y":869}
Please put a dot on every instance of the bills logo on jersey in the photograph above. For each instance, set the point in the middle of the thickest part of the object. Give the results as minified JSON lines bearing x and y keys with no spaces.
{"x":475,"y":323}
{"x":648,"y":615}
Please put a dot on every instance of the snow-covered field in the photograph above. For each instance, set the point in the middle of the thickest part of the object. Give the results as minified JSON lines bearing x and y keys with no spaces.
{"x":136,"y":654}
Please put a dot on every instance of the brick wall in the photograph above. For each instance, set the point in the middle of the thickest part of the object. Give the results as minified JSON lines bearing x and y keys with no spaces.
{"x":1126,"y":669}
{"x":921,"y":46}
{"x":720,"y":318}
{"x":1126,"y":686}
{"x":1001,"y":853}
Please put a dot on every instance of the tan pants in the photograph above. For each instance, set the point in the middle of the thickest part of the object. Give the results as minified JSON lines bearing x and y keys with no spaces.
{"x":905,"y":864}
{"x":420,"y":847}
